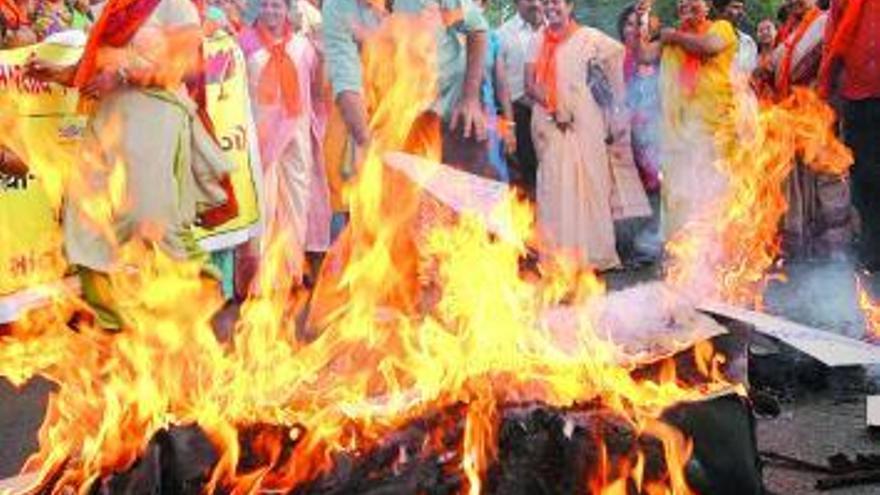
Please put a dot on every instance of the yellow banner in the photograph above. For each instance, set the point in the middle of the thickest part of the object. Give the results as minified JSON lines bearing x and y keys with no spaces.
{"x":43,"y":126}
{"x":229,"y":107}
{"x":30,"y":236}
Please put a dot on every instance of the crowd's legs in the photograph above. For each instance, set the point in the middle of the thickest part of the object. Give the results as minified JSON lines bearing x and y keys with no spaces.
{"x":524,"y":165}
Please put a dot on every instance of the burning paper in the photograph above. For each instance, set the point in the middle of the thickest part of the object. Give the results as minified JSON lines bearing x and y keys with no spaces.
{"x":462,"y":191}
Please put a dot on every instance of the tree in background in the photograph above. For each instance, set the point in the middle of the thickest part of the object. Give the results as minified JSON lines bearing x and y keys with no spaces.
{"x":603,"y":13}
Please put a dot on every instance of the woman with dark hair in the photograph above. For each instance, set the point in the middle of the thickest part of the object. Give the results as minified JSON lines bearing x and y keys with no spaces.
{"x":499,"y":108}
{"x":762,"y":77}
{"x":577,"y":182}
{"x":641,"y":69}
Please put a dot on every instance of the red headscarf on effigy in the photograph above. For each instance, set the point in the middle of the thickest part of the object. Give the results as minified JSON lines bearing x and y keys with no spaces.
{"x":13,"y":15}
{"x":119,"y":22}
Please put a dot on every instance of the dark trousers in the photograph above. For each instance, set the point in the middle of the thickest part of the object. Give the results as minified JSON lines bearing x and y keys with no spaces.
{"x":524,"y":165}
{"x":466,"y":154}
{"x":861,"y":131}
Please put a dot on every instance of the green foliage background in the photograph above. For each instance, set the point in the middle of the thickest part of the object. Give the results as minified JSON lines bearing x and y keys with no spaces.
{"x":603,"y":13}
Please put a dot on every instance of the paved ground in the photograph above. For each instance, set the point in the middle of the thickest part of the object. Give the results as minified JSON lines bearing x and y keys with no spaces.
{"x":811,"y":426}
{"x":812,"y":429}
{"x":21,"y":412}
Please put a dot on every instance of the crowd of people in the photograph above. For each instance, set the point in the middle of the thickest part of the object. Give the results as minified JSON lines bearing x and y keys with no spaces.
{"x":593,"y":128}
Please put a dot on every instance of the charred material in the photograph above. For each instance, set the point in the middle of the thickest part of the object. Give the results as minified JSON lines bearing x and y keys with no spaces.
{"x":541,"y":450}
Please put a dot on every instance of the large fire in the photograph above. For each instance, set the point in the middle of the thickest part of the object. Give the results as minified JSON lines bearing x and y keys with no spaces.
{"x":406,"y":319}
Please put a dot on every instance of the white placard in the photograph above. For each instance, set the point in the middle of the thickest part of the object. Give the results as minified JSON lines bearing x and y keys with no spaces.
{"x":829,"y":348}
{"x":461,"y":191}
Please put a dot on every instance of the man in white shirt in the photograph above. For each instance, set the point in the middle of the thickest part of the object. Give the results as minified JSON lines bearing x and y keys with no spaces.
{"x":517,"y":35}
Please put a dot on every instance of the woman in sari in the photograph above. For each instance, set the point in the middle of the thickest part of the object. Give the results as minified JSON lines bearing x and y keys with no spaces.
{"x":699,"y":115}
{"x":641,"y":72}
{"x":817,"y":220}
{"x":577,"y":185}
{"x":763,"y":76}
{"x":142,"y":118}
{"x":284,"y":72}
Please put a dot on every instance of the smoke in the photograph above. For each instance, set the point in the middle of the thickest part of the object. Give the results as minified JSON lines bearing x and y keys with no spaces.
{"x":644,"y":322}
{"x":818,"y":294}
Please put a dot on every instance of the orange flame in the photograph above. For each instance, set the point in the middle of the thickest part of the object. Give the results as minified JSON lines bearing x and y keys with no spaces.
{"x":871,"y":310}
{"x":727,"y":257}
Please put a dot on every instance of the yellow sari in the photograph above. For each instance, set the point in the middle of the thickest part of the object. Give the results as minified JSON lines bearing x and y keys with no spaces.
{"x":699,"y":100}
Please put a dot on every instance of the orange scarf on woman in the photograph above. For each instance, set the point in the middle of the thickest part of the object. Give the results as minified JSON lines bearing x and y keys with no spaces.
{"x":690,"y":67}
{"x":13,"y":15}
{"x":838,"y":37}
{"x":280,"y":72}
{"x":545,"y":65}
{"x":783,"y":79}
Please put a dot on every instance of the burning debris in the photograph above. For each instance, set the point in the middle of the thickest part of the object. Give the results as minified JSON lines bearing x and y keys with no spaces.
{"x":582,"y":449}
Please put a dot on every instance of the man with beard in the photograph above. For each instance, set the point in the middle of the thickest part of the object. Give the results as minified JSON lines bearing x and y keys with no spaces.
{"x":734,"y":11}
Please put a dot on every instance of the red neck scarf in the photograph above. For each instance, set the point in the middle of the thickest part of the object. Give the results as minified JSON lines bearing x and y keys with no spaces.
{"x":119,"y":22}
{"x":690,"y":67}
{"x":790,"y":43}
{"x":13,"y":15}
{"x":838,"y":37}
{"x":279,"y":73}
{"x":546,"y":64}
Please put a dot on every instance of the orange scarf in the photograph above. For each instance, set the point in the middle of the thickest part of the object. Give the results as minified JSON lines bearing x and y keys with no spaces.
{"x":545,"y":65}
{"x":690,"y":67}
{"x":838,"y":36}
{"x":280,"y":72}
{"x":13,"y":15}
{"x":783,"y":79}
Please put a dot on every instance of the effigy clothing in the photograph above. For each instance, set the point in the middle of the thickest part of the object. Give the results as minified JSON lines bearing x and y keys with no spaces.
{"x":172,"y":170}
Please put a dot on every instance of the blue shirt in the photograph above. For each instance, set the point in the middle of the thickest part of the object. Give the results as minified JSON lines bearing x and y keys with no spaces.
{"x":493,"y":52}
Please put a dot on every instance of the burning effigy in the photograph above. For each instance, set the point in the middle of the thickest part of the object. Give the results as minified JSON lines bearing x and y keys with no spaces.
{"x":426,"y":359}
